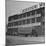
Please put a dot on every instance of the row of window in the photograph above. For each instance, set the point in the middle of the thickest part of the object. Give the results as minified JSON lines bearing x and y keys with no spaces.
{"x":35,"y":30}
{"x":27,"y":21}
{"x":27,"y":14}
{"x":12,"y":30}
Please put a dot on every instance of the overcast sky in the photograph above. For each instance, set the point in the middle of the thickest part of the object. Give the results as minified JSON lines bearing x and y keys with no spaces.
{"x":15,"y":7}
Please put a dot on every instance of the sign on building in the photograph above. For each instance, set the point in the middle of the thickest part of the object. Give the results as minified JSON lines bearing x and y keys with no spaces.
{"x":33,"y":7}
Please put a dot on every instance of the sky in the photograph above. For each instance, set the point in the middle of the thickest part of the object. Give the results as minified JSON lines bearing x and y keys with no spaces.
{"x":15,"y":7}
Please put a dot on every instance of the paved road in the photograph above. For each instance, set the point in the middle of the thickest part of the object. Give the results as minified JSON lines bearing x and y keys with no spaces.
{"x":24,"y":40}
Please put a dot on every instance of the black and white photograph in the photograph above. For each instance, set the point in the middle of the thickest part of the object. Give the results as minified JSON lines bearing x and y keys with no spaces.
{"x":25,"y":22}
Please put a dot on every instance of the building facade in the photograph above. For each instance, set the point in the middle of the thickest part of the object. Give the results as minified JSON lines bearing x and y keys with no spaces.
{"x":29,"y":22}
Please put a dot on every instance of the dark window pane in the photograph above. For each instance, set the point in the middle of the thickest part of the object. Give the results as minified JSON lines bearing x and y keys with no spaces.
{"x":38,"y":11}
{"x":19,"y":22}
{"x":33,"y":20}
{"x":10,"y":18}
{"x":33,"y":12}
{"x":38,"y":19}
{"x":15,"y":17}
{"x":43,"y":12}
{"x":28,"y":13}
{"x":15,"y":23}
{"x":10,"y":24}
{"x":24,"y":15}
{"x":43,"y":23}
{"x":23,"y":21}
{"x":20,"y":16}
{"x":28,"y":21}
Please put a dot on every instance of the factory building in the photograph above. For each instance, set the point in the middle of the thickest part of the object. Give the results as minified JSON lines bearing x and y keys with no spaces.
{"x":30,"y":22}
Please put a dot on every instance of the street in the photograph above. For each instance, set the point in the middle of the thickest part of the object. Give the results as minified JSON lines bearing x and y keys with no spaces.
{"x":17,"y":40}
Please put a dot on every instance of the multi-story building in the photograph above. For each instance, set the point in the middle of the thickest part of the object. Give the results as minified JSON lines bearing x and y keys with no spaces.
{"x":30,"y":22}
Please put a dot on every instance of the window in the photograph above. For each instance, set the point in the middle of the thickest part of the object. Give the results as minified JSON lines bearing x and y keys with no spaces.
{"x":15,"y":17}
{"x":33,"y":20}
{"x":14,"y":23}
{"x":28,"y":14}
{"x":28,"y":21}
{"x":10,"y":18}
{"x":10,"y":24}
{"x":33,"y":12}
{"x":38,"y":11}
{"x":23,"y":21}
{"x":9,"y":30}
{"x":43,"y":12}
{"x":43,"y":23}
{"x":24,"y":15}
{"x":20,"y":16}
{"x":38,"y":19}
{"x":19,"y":22}
{"x":15,"y":29}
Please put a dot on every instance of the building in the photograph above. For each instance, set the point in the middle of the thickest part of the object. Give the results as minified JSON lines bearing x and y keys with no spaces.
{"x":30,"y":22}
